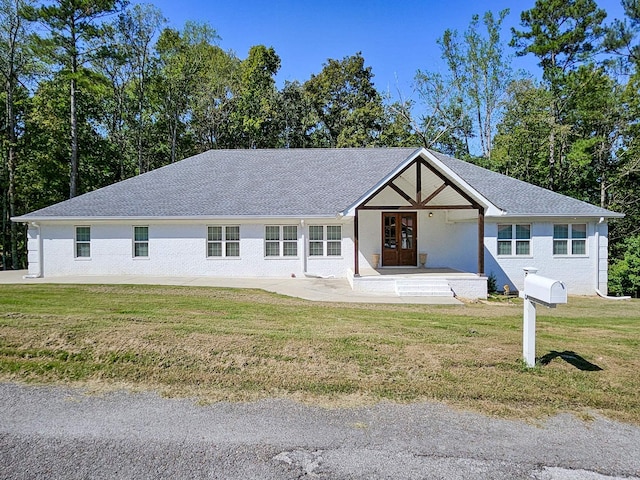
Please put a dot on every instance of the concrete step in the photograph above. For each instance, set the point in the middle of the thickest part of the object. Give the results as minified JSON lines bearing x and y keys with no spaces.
{"x":424,"y":287}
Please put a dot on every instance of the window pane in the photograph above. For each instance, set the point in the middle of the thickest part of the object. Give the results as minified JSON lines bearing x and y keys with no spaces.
{"x":141,"y":234}
{"x":214,"y":249}
{"x":560,"y":247}
{"x":272,"y":249}
{"x":334,"y":232}
{"x":579,"y":247}
{"x":232,"y":233}
{"x":83,"y":234}
{"x":141,"y":249}
{"x":215,"y":234}
{"x":579,"y":231}
{"x":290,"y":232}
{"x":523,"y":232}
{"x":233,"y":249}
{"x":315,"y":249}
{"x":334,"y":249}
{"x":504,"y":248}
{"x":290,"y":249}
{"x":504,"y":232}
{"x":522,"y":248}
{"x":561,"y":231}
{"x":83,"y":250}
{"x":272,"y":233}
{"x":316,"y":232}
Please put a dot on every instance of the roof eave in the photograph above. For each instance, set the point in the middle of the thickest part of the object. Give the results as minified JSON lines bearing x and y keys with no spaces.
{"x":559,"y":215}
{"x":30,"y":219}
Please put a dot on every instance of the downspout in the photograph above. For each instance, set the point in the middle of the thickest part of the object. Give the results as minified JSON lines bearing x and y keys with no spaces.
{"x":304,"y":248}
{"x":40,"y":253}
{"x":598,"y":265}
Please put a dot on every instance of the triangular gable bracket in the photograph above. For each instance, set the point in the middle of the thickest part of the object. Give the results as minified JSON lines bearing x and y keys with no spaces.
{"x":414,"y":199}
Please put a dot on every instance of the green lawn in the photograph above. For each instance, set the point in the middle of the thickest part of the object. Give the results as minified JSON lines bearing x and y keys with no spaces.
{"x":237,"y":345}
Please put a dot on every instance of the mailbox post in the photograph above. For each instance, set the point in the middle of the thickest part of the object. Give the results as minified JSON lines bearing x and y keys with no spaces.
{"x":537,"y":290}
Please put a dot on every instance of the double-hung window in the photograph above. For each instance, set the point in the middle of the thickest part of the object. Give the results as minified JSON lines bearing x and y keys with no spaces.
{"x":514,"y":239}
{"x":570,"y":239}
{"x":140,"y":241}
{"x":223,"y":241}
{"x":325,"y":240}
{"x":83,"y":242}
{"x":281,"y":241}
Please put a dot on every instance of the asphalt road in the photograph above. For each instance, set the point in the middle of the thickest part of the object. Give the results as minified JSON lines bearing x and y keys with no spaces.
{"x":55,"y":433}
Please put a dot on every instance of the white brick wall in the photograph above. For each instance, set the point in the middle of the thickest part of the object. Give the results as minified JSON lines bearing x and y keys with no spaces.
{"x":180,"y":249}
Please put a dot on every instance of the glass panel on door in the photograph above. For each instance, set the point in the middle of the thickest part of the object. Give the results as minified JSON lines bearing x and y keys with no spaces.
{"x":390,"y":232}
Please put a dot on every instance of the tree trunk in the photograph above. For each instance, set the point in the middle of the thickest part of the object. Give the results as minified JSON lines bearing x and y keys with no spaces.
{"x":11,"y":168}
{"x":174,"y":137}
{"x":73,"y":177}
{"x":552,"y":148}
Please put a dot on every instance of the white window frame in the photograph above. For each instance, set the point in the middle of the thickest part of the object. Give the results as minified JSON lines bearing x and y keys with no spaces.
{"x":226,"y":244}
{"x":283,"y":241}
{"x":322,"y":243}
{"x":514,"y":240}
{"x":140,"y":242}
{"x":570,"y":239}
{"x":77,"y":243}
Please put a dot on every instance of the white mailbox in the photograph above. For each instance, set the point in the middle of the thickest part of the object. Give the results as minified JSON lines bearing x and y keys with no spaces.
{"x":544,"y":290}
{"x":537,"y":290}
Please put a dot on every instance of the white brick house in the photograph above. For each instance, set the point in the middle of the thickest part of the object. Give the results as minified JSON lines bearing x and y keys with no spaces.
{"x":325,"y":212}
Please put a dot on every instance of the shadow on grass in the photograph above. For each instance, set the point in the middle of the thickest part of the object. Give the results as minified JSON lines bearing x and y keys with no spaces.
{"x":570,"y":357}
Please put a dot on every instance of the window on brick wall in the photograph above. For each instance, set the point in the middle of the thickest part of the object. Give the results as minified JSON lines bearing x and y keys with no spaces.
{"x":223,"y":241}
{"x":83,"y":242}
{"x":140,"y":241}
{"x":281,"y":241}
{"x":570,"y":239}
{"x":514,"y":239}
{"x":325,"y":240}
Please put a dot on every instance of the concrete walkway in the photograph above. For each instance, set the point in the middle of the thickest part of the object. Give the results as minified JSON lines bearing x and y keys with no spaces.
{"x":314,"y":289}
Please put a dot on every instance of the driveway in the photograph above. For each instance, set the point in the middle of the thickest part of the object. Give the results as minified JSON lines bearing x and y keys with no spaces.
{"x":60,"y":433}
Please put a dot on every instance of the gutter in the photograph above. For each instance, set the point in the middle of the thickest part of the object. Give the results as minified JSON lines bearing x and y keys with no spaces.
{"x":31,"y":219}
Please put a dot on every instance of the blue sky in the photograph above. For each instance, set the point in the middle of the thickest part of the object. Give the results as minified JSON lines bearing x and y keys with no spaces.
{"x":396,"y":38}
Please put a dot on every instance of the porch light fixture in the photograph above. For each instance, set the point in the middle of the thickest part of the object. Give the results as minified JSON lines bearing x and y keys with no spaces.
{"x":430,"y":214}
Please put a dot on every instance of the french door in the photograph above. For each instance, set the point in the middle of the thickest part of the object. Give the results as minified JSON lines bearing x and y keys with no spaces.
{"x":399,"y":241}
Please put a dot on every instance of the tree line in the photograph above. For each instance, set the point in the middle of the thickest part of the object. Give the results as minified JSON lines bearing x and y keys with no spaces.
{"x":97,"y":91}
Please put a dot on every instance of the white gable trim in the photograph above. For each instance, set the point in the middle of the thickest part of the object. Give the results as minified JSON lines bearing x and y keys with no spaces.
{"x":490,"y":208}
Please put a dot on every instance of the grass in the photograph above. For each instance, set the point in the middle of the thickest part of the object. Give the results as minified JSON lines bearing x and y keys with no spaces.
{"x":241,"y":345}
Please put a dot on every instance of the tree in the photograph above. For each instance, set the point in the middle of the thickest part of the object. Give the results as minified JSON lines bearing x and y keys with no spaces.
{"x":465,"y":103}
{"x":621,"y":36}
{"x":254,"y":115}
{"x":445,"y":124}
{"x":183,"y":59}
{"x":211,"y":99}
{"x":297,"y":116}
{"x":136,"y":29}
{"x":562,"y":34}
{"x":73,"y":26}
{"x":487,"y":73}
{"x":523,"y":133}
{"x":347,"y":104}
{"x":16,"y":64}
{"x":624,"y":274}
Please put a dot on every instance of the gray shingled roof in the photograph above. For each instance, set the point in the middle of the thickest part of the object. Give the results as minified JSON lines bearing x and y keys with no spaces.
{"x":518,"y":198}
{"x":288,"y":182}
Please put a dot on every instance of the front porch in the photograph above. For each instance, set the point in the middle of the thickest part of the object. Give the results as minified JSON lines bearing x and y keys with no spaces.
{"x":419,"y":282}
